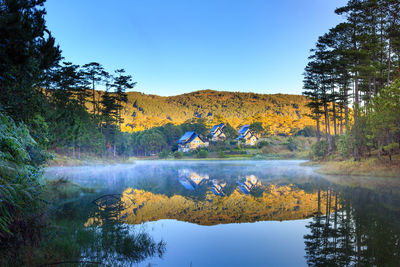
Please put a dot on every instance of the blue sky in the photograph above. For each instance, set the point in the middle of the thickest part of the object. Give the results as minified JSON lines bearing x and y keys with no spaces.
{"x":178,"y":46}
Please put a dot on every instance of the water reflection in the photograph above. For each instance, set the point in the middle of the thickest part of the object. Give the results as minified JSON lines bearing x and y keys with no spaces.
{"x":276,"y":203}
{"x":249,"y":184}
{"x":191,"y":179}
{"x":106,"y":239}
{"x":363,"y":231}
{"x":339,"y":221}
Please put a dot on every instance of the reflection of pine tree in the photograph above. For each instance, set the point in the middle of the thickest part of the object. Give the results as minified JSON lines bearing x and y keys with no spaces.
{"x":314,"y":242}
{"x":115,"y":243}
{"x":328,"y":242}
{"x":361,"y":227}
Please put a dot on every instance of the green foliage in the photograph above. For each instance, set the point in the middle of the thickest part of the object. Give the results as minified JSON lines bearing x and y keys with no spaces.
{"x":383,"y":119}
{"x":27,"y":51}
{"x":392,"y":146}
{"x":221,"y":154}
{"x":178,"y":155}
{"x":163,"y":154}
{"x":361,"y":55}
{"x":202,"y":153}
{"x":230,"y":132}
{"x":256,"y":127}
{"x":292,"y":144}
{"x":345,"y":145}
{"x":308,"y":131}
{"x":263,"y":143}
{"x":319,"y":150}
{"x":20,"y":187}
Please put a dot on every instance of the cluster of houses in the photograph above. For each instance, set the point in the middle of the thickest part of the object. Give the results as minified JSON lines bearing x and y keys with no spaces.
{"x":192,"y":141}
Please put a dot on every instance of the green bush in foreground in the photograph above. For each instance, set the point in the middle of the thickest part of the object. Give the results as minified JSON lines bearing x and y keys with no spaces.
{"x":20,"y":185}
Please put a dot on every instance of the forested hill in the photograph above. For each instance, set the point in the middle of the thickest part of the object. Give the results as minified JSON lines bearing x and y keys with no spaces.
{"x":278,"y":113}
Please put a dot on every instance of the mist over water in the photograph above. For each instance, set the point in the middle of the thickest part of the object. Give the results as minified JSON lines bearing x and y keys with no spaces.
{"x":248,"y":213}
{"x":118,"y":176}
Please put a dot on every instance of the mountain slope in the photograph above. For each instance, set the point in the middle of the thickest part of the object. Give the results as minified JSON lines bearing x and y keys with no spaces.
{"x":278,"y":113}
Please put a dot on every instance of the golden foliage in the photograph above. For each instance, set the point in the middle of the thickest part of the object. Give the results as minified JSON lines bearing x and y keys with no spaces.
{"x":276,"y":203}
{"x":279,"y":113}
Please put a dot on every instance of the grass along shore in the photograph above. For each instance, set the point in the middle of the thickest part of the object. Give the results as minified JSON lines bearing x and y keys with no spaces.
{"x":376,"y":167}
{"x":86,"y":159}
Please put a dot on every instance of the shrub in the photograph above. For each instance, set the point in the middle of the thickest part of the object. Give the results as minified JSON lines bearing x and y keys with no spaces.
{"x":319,"y":150}
{"x":345,"y":146}
{"x":202,"y":153}
{"x":262,"y":144}
{"x":308,"y":131}
{"x":266,"y":150}
{"x":178,"y":155}
{"x":163,"y":154}
{"x":222,"y":154}
{"x":20,"y":186}
{"x":292,"y":144}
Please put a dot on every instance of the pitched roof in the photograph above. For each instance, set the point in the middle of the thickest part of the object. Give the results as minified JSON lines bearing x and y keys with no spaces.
{"x":213,"y":129}
{"x":243,"y":136}
{"x":189,"y":137}
{"x":244,"y":129}
{"x":194,"y":136}
{"x":185,"y":137}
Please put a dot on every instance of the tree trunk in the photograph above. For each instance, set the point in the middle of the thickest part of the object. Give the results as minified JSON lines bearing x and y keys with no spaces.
{"x":356,"y":94}
{"x":94,"y":98}
{"x":334,"y":118}
{"x":389,"y":61}
{"x":369,"y":89}
{"x":346,"y":105}
{"x":341,"y":119}
{"x":328,"y":128}
{"x":318,"y":130}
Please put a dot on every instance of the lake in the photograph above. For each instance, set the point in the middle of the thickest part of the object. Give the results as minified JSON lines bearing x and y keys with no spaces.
{"x":239,"y":213}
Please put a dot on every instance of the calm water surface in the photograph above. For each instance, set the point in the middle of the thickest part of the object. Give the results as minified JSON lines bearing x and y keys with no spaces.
{"x":245,"y":213}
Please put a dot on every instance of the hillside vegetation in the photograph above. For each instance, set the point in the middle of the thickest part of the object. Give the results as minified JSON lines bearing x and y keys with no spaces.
{"x":279,"y":113}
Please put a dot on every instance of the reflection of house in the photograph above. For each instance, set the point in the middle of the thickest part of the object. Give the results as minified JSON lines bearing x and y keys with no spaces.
{"x":217,"y":188}
{"x":250,"y":183}
{"x":190,"y":180}
{"x":217,"y":133}
{"x":186,"y":184}
{"x":190,"y":141}
{"x":247,"y":136}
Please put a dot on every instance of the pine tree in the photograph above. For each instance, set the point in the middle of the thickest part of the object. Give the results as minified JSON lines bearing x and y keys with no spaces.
{"x":94,"y":73}
{"x":27,"y":50}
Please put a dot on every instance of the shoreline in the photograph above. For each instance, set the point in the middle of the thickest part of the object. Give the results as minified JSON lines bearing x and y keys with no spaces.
{"x":365,"y":168}
{"x":66,"y":161}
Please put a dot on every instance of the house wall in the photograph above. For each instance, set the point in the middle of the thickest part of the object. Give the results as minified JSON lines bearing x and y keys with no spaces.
{"x":218,"y":136}
{"x":250,"y":139}
{"x":196,"y":143}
